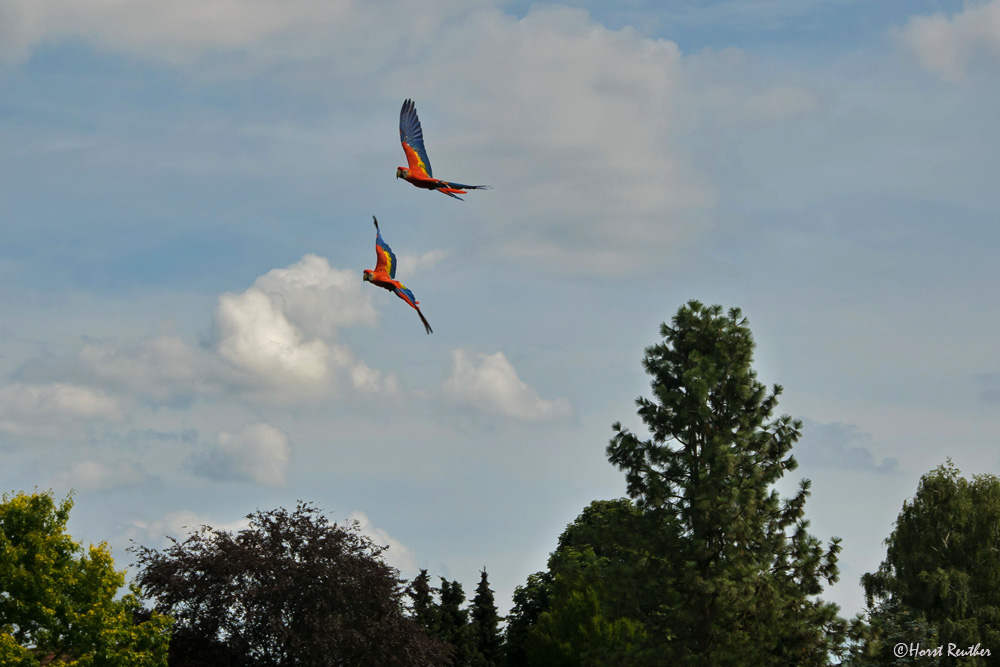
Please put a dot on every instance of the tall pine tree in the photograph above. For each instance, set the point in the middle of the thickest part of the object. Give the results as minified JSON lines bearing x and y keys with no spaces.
{"x":738,"y":570}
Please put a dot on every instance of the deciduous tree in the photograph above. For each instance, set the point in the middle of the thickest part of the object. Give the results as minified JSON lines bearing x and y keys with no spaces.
{"x":59,"y":602}
{"x":290,"y":589}
{"x":942,"y":570}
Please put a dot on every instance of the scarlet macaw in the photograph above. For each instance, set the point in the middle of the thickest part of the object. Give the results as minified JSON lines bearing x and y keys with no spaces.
{"x":419,"y":172}
{"x":385,"y":273}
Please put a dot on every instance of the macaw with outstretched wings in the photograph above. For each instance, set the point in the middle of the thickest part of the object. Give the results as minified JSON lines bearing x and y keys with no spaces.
{"x":418,"y":170}
{"x":384,"y":275}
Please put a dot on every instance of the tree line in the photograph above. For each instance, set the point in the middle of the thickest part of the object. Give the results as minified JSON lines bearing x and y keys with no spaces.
{"x":702,"y":564}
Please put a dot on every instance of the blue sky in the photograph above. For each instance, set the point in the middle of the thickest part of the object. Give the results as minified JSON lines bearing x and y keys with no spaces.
{"x":186,"y":192}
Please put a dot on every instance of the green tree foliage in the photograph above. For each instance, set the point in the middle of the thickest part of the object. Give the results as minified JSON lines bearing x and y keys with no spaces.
{"x":484,"y":622}
{"x":876,"y":634}
{"x":575,"y":632}
{"x":422,"y":606}
{"x":290,"y":589}
{"x":942,"y":569}
{"x":58,"y":602}
{"x":596,"y":592}
{"x":453,"y":625}
{"x":529,"y":601}
{"x":737,"y":569}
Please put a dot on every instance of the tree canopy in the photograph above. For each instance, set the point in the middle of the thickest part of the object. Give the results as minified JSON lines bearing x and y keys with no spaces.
{"x":739,"y":571}
{"x":704,"y":563}
{"x":59,"y":602}
{"x":940,"y":580}
{"x":290,"y":589}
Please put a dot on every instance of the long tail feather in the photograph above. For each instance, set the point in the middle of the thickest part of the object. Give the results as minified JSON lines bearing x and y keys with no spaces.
{"x":426,"y":323}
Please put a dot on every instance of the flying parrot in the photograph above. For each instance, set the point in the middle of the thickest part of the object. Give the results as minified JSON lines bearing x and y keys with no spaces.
{"x":419,"y":171}
{"x":384,"y":275}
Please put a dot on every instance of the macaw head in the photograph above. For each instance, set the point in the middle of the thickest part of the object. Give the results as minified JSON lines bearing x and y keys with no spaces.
{"x":368,"y":275}
{"x":402,"y":172}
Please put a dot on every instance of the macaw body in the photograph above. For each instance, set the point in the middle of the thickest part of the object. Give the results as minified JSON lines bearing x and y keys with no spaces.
{"x":418,"y":170}
{"x":384,"y":275}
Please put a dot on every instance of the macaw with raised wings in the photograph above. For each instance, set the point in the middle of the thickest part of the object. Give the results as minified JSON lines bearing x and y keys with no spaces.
{"x":384,"y":275}
{"x":418,"y":170}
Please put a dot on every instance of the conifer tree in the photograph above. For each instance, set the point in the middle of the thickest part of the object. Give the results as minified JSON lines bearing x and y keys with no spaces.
{"x":484,"y":623}
{"x":453,"y":624}
{"x":422,"y":608}
{"x":741,"y":571}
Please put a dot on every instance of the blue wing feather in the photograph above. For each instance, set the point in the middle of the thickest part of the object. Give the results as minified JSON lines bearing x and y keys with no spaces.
{"x":412,"y":134}
{"x":409,"y":295}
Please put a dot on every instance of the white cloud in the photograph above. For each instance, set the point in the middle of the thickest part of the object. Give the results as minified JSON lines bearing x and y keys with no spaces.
{"x":318,"y":298}
{"x":52,"y":409}
{"x":278,"y":332}
{"x":488,"y":382}
{"x":274,"y":342}
{"x":946,"y":45}
{"x":97,"y":476}
{"x":259,"y":453}
{"x":576,"y":123}
{"x":255,"y":335}
{"x":400,"y":556}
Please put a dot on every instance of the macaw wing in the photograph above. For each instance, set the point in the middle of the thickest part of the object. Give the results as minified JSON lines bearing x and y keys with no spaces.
{"x":385,"y":259}
{"x":412,"y":137}
{"x":404,"y":293}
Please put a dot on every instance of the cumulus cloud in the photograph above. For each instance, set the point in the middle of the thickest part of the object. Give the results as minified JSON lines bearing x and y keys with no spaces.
{"x":97,"y":476}
{"x":946,"y":45}
{"x":52,"y":409}
{"x":259,"y":453}
{"x":488,"y":382}
{"x":400,"y":556}
{"x":274,"y":342}
{"x":841,"y":446}
{"x":278,"y":332}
